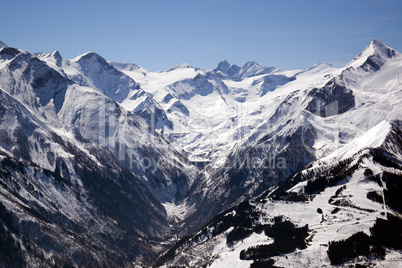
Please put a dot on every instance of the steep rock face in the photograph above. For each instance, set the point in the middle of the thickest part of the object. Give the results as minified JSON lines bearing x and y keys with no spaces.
{"x":125,"y":66}
{"x":180,"y":107}
{"x":332,"y":99}
{"x":18,"y":129}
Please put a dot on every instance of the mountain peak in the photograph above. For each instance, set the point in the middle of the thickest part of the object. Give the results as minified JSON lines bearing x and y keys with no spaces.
{"x":225,"y":68}
{"x":91,"y":56}
{"x":373,"y":56}
{"x":380,"y":47}
{"x":250,"y":64}
{"x":180,"y":66}
{"x":222,"y":66}
{"x":125,"y":66}
{"x":87,"y":55}
{"x":252,"y":68}
{"x":377,"y":42}
{"x":224,"y":63}
{"x":56,"y":55}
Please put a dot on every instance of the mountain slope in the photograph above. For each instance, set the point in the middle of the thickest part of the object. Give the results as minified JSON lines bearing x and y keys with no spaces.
{"x":115,"y":168}
{"x":71,"y":189}
{"x":87,"y":116}
{"x":302,"y":125}
{"x":207,"y":108}
{"x":354,"y":200}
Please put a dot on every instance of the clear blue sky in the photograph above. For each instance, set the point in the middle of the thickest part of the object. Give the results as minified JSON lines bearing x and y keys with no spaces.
{"x":159,"y":34}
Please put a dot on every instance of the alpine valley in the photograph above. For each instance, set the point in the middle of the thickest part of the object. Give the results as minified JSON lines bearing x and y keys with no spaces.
{"x":107,"y":164}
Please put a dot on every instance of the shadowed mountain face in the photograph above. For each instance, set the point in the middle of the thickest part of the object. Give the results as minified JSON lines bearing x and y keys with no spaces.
{"x":106,"y":164}
{"x":77,"y":196}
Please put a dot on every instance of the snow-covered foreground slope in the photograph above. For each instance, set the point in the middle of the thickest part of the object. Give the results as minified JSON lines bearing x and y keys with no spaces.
{"x":303,"y":221}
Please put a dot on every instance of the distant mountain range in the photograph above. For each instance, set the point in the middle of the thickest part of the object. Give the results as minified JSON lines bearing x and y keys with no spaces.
{"x":106,"y":164}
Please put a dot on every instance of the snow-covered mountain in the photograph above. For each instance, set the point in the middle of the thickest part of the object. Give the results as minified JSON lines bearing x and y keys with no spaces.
{"x":208,"y":109}
{"x":305,"y":120}
{"x":113,"y":163}
{"x":346,"y":211}
{"x":71,"y":152}
{"x":91,"y":70}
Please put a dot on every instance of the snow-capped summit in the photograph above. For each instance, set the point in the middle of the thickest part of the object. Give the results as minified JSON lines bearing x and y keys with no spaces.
{"x":91,"y":56}
{"x":55,"y":54}
{"x":224,"y":67}
{"x":251,"y":64}
{"x":252,"y":68}
{"x":180,"y":66}
{"x":373,"y":56}
{"x":128,"y":67}
{"x":380,"y":47}
{"x":318,"y":67}
{"x":249,"y":68}
{"x":92,"y":70}
{"x":53,"y":57}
